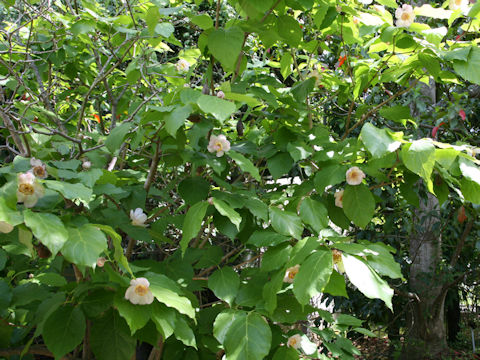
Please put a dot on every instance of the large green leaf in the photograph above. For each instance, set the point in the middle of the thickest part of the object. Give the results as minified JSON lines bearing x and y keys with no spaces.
{"x":224,"y":283}
{"x":70,"y":191}
{"x":247,"y":335}
{"x":47,"y":228}
{"x":64,"y":330}
{"x":136,"y":316}
{"x":194,"y":189}
{"x":289,"y":29}
{"x":219,"y":108}
{"x":176,"y":119}
{"x":280,"y":165}
{"x":84,"y":245}
{"x":366,"y":280}
{"x":193,"y":223}
{"x":314,"y":213}
{"x":169,"y":293}
{"x":286,"y":223}
{"x":116,"y":136}
{"x":419,"y":158}
{"x":313,"y":276}
{"x":245,"y":164}
{"x":469,"y":69}
{"x":110,"y":338}
{"x":224,"y":209}
{"x":225,"y":45}
{"x":358,"y":204}
{"x":378,"y":141}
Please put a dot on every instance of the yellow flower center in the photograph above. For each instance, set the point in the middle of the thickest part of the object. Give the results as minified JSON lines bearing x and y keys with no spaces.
{"x":292,"y":273}
{"x":405,"y":16}
{"x":337,"y":256}
{"x":26,"y":189}
{"x":458,"y":2}
{"x":39,"y":171}
{"x":219,"y":146}
{"x":141,"y":290}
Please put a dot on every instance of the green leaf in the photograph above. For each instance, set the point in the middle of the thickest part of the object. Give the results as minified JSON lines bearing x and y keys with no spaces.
{"x":224,"y":283}
{"x":358,"y":204}
{"x":176,"y":119}
{"x":48,"y":229}
{"x":470,"y":190}
{"x":51,"y":279}
{"x":257,"y":207}
{"x":117,"y":244}
{"x":194,"y":189}
{"x":203,"y":21}
{"x":266,"y":238}
{"x":84,"y":245}
{"x":419,"y":158}
{"x":116,"y":136}
{"x":329,"y":175}
{"x":396,"y":113}
{"x":90,"y":177}
{"x":193,"y":223}
{"x":286,"y":223}
{"x":184,"y":333}
{"x":169,"y":293}
{"x":429,"y":11}
{"x":289,"y":29}
{"x":224,"y":209}
{"x":164,"y":29}
{"x":378,"y":141}
{"x":276,"y":257}
{"x":286,"y":65}
{"x":110,"y":338}
{"x":336,"y":285}
{"x":219,"y":108}
{"x":469,"y":170}
{"x":248,"y":337}
{"x":225,"y":45}
{"x":63,"y":330}
{"x":280,"y":165}
{"x":164,"y":318}
{"x":469,"y":69}
{"x":314,"y":213}
{"x":245,"y":164}
{"x":313,"y":276}
{"x":70,"y":191}
{"x":136,"y":316}
{"x":222,"y":323}
{"x":366,"y":280}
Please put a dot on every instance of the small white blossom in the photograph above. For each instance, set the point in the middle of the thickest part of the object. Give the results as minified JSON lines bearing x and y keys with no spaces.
{"x":458,"y":4}
{"x":294,"y":341}
{"x":86,"y":165}
{"x":218,"y":144}
{"x":339,"y":198}
{"x":291,"y":273}
{"x":404,"y":15}
{"x":138,"y":217}
{"x":38,"y":168}
{"x":337,"y":260}
{"x":29,"y":190}
{"x":101,"y":261}
{"x":182,"y":65}
{"x":221,"y":94}
{"x":5,"y":227}
{"x":355,"y":176}
{"x":138,"y":292}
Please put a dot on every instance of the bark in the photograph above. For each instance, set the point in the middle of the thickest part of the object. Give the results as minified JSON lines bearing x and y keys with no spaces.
{"x":426,"y":335}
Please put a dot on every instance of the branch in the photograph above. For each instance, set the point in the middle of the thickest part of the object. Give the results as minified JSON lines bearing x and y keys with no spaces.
{"x":13,"y":132}
{"x":461,"y":243}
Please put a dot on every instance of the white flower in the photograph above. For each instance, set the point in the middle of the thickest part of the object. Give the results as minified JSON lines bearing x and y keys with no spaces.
{"x":5,"y":227}
{"x":379,"y":8}
{"x":291,"y":273}
{"x":101,"y":261}
{"x":337,"y":260}
{"x":182,"y":65}
{"x":218,"y":144}
{"x":221,"y":94}
{"x":86,"y":165}
{"x":38,"y":168}
{"x":339,"y":198}
{"x":355,"y":176}
{"x":138,"y":292}
{"x":29,"y":190}
{"x":294,"y":341}
{"x":138,"y":217}
{"x":458,"y":4}
{"x":404,"y":15}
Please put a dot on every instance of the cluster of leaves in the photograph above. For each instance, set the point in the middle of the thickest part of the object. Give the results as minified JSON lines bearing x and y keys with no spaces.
{"x":100,"y":84}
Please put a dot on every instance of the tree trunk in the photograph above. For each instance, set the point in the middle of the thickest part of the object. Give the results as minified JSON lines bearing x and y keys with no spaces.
{"x":426,"y":335}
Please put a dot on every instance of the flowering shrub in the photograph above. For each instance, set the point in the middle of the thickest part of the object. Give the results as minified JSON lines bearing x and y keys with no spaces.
{"x":244,"y":228}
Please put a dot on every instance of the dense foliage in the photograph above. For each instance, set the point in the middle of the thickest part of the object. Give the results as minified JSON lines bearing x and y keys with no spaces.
{"x":190,"y":175}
